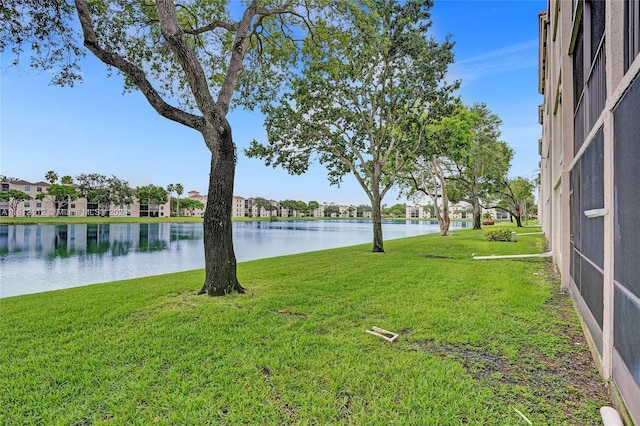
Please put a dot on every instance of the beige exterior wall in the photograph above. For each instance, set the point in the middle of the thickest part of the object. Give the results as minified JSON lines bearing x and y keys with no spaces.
{"x":418,"y":212}
{"x":558,"y":35}
{"x":76,"y":208}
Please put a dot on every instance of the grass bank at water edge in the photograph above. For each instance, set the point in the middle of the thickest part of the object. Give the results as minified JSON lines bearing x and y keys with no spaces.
{"x":481,"y":342}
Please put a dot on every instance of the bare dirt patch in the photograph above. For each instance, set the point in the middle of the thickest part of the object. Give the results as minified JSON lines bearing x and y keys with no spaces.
{"x":567,"y":381}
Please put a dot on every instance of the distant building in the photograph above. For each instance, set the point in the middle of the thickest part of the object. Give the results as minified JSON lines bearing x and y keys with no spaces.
{"x":46,"y":207}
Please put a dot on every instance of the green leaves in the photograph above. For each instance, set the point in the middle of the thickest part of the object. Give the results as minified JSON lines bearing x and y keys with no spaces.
{"x":151,"y":194}
{"x":59,"y":192}
{"x":42,"y":31}
{"x":364,"y":73}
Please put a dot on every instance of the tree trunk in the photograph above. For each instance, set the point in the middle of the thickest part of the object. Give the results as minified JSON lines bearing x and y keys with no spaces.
{"x":477,"y":213}
{"x":477,"y":217}
{"x":518,"y":216}
{"x":445,"y":222}
{"x":220,"y":259}
{"x":376,"y":216}
{"x":444,"y":219}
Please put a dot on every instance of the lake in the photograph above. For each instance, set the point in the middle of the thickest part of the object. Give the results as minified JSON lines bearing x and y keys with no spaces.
{"x":37,"y":258}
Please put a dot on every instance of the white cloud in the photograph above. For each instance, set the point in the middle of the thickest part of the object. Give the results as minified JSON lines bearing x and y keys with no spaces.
{"x":507,"y":51}
{"x":506,"y":59}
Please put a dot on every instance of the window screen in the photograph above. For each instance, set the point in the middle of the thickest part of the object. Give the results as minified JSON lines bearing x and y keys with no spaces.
{"x":626,"y":334}
{"x":578,"y":67}
{"x":627,"y":193}
{"x":592,"y":197}
{"x":591,"y":289}
{"x":627,"y":229}
{"x":632,"y":31}
{"x":597,"y":20}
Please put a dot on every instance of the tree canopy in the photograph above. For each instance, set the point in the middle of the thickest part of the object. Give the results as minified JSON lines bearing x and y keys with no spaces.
{"x":476,"y":172}
{"x":513,"y":197}
{"x":149,"y":194}
{"x":264,"y":204}
{"x":104,"y":191}
{"x":13,"y":197}
{"x":60,"y":196}
{"x":376,"y":68}
{"x":190,"y":205}
{"x":442,"y":142}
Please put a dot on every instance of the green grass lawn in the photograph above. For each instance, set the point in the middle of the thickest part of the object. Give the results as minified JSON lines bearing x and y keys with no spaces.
{"x":478,"y":341}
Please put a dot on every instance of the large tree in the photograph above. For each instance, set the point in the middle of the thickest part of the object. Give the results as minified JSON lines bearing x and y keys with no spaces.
{"x":104,"y":191}
{"x":476,"y":172}
{"x":378,"y":65}
{"x":151,"y":194}
{"x":187,"y":58}
{"x":441,"y":140}
{"x":331,"y":210}
{"x":264,"y":204}
{"x":120,"y":192}
{"x":190,"y":205}
{"x":170,"y":188}
{"x":312,"y":207}
{"x":291,"y":206}
{"x":95,"y":188}
{"x":51,"y":176}
{"x":60,"y":196}
{"x":513,"y":196}
{"x":179,"y":190}
{"x":13,"y":197}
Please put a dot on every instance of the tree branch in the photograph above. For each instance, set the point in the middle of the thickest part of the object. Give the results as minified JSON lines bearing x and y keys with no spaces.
{"x":351,"y":166}
{"x":132,"y":71}
{"x":231,"y":27}
{"x":188,"y":60}
{"x":240,"y":45}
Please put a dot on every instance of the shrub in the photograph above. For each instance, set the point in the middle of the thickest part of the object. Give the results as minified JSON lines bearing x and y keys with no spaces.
{"x":497,"y":234}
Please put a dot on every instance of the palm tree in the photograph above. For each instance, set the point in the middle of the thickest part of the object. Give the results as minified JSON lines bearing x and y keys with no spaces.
{"x":51,"y":176}
{"x":179,"y":190}
{"x":67,"y":180}
{"x":170,"y":189}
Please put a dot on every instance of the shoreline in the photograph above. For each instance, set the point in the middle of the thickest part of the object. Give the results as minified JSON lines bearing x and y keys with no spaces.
{"x":182,"y":219}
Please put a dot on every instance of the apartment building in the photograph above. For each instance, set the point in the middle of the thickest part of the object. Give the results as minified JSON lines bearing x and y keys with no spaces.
{"x":419,"y":212}
{"x":589,"y":76}
{"x":46,"y":207}
{"x":456,"y":211}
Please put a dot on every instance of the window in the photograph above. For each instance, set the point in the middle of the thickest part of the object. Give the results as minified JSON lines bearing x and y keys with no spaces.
{"x":596,"y":11}
{"x":38,"y":205}
{"x":632,"y":31}
{"x":27,"y":204}
{"x":27,"y":188}
{"x":4,"y":187}
{"x":589,"y":69}
{"x":38,"y":189}
{"x":73,"y":205}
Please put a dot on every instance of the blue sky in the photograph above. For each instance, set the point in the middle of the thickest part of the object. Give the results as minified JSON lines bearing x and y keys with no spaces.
{"x":93,"y":127}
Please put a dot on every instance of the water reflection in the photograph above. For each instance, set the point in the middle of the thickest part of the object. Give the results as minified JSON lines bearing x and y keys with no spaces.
{"x":64,"y":241}
{"x":35,"y":258}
